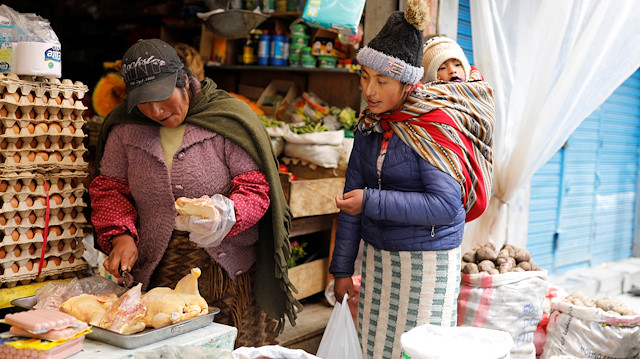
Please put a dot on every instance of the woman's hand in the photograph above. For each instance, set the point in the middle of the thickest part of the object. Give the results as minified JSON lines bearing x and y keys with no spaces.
{"x":350,"y":202}
{"x":342,"y":286}
{"x":124,"y":254}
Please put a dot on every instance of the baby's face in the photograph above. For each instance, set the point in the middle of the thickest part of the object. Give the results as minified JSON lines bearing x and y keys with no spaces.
{"x":451,"y":70}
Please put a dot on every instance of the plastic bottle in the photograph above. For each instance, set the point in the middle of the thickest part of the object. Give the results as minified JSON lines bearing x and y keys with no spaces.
{"x":249,"y":52}
{"x":276,"y":57}
{"x":263,"y":48}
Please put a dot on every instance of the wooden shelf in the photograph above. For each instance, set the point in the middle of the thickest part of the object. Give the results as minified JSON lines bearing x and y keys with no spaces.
{"x":212,"y":67}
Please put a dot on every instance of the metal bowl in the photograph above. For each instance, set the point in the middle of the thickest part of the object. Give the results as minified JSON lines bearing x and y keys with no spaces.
{"x":234,"y":24}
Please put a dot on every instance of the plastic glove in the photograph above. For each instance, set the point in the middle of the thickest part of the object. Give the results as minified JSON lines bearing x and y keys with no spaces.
{"x":207,"y":232}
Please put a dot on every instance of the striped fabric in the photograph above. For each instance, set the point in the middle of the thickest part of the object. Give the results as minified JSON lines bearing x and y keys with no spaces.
{"x":402,"y":290}
{"x":460,"y":145}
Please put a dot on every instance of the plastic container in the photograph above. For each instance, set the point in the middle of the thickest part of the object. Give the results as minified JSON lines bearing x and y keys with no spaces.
{"x":300,"y":39}
{"x":327,"y":62}
{"x":306,"y":51}
{"x":263,"y":48}
{"x":298,"y":29}
{"x":276,"y":53}
{"x":295,"y":60}
{"x":295,"y":50}
{"x":308,"y":61}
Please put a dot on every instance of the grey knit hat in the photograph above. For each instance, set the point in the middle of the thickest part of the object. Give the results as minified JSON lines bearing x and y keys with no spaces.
{"x":396,"y":51}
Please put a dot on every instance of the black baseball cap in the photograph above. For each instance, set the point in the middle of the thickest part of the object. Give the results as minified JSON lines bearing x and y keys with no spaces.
{"x":150,"y":69}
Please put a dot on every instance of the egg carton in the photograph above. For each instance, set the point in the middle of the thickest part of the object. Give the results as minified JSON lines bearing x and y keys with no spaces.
{"x":52,"y":275}
{"x":51,"y":124}
{"x":31,"y":179}
{"x":42,"y":85}
{"x":21,"y":235}
{"x":38,"y":205}
{"x":16,"y":106}
{"x":40,"y":166}
{"x":45,"y":144}
{"x":40,"y":130}
{"x":36,"y":184}
{"x":33,"y":251}
{"x":54,"y":268}
{"x":45,"y":158}
{"x":32,"y":193}
{"x":31,"y":220}
{"x":33,"y":224}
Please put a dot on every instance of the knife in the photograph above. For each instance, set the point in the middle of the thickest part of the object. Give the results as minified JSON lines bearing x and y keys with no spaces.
{"x":127,"y":278}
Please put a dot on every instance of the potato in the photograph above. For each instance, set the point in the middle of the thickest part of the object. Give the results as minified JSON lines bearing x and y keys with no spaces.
{"x":470,"y":256}
{"x":533,"y":264}
{"x":503,"y":256}
{"x":470,"y":268}
{"x":486,"y":265}
{"x":494,"y":271}
{"x":524,"y":265}
{"x":486,"y":253}
{"x":517,"y":269}
{"x":505,"y":267}
{"x":510,"y":249}
{"x":522,"y":255}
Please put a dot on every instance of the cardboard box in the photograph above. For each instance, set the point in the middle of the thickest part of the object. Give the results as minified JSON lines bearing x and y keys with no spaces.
{"x":286,"y":89}
{"x":313,"y":192}
{"x":309,"y":278}
{"x":217,"y":50}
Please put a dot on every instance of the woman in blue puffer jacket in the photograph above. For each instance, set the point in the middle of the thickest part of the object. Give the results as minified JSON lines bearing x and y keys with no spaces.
{"x":420,"y":167}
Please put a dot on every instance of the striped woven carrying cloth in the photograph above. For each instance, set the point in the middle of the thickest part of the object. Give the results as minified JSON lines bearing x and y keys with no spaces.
{"x":459,"y":144}
{"x":402,"y":290}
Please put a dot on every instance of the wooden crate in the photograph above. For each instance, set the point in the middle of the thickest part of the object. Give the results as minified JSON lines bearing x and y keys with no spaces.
{"x":309,"y":278}
{"x":314,"y":191}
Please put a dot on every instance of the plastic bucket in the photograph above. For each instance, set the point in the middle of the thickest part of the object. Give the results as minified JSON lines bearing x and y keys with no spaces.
{"x":435,"y":342}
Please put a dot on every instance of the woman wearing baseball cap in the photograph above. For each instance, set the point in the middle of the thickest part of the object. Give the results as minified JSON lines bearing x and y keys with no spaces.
{"x":174,"y":136}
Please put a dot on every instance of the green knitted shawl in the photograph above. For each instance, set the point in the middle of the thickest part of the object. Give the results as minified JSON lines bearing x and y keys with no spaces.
{"x":217,"y":111}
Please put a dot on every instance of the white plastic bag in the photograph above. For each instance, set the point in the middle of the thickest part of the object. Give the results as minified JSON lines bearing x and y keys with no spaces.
{"x":340,"y":339}
{"x":207,"y":232}
{"x":271,"y":352}
{"x":511,"y":302}
{"x":430,"y":341}
{"x":590,"y":332}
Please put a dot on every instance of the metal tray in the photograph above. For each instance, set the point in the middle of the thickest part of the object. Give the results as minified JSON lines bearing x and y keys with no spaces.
{"x":145,"y":337}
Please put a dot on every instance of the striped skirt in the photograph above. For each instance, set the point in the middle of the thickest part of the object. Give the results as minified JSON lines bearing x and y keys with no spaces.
{"x":402,"y":290}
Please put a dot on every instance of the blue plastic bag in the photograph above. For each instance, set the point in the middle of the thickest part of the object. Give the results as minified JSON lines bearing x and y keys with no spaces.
{"x":339,"y":15}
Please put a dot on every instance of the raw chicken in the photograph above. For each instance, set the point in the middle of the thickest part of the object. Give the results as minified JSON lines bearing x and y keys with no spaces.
{"x":126,"y":314}
{"x":89,"y":308}
{"x":166,"y":306}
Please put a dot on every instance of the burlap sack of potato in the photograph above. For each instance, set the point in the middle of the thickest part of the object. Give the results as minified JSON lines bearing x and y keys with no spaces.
{"x":511,"y":302}
{"x":590,"y":332}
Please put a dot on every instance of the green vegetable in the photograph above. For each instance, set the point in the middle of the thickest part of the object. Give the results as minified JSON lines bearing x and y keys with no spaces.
{"x":269,"y":121}
{"x":347,"y":118}
{"x":308,"y":128}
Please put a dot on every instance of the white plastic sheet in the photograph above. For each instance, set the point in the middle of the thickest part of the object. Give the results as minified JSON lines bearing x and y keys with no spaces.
{"x":551,"y":64}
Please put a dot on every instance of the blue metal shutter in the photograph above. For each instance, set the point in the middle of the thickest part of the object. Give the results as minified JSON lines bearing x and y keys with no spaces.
{"x":582,"y":204}
{"x":589,"y":217}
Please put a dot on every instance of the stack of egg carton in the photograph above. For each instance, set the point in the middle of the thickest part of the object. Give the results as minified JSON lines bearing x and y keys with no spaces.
{"x":41,"y":156}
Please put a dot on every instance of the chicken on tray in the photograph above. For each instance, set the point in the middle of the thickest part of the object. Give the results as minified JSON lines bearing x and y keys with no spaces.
{"x":133,"y":311}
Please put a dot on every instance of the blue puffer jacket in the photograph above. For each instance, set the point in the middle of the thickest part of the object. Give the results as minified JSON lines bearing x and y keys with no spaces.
{"x":416,"y":207}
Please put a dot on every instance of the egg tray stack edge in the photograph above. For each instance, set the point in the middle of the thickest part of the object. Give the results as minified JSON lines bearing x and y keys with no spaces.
{"x":41,"y":124}
{"x":41,"y":153}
